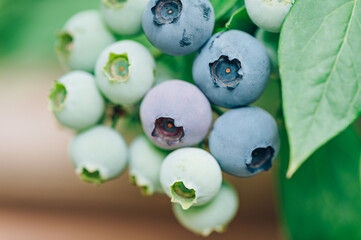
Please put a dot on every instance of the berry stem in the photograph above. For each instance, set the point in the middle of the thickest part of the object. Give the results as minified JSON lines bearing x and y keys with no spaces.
{"x":217,"y":110}
{"x":157,"y":54}
{"x":115,"y":120}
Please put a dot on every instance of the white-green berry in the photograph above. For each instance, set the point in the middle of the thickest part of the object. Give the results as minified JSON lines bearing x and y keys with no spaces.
{"x":76,"y":101}
{"x":213,"y":216}
{"x":145,"y":161}
{"x":190,"y":176}
{"x":125,"y":72}
{"x":99,"y":154}
{"x":268,"y":14}
{"x":123,"y":17}
{"x":82,"y":39}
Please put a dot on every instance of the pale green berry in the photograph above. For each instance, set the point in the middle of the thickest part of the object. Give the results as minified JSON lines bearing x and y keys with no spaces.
{"x":213,"y":216}
{"x":99,"y":154}
{"x":190,"y":176}
{"x":82,"y":39}
{"x":123,"y":17}
{"x":144,"y":165}
{"x":125,"y":72}
{"x":76,"y":101}
{"x":268,"y":14}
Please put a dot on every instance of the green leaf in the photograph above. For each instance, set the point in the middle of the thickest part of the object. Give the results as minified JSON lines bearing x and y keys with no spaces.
{"x":323,"y":199}
{"x":241,"y":21}
{"x":360,"y":173}
{"x":221,"y":7}
{"x":320,"y":68}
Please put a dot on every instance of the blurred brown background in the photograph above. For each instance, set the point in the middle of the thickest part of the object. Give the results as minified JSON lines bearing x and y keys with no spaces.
{"x":42,"y":198}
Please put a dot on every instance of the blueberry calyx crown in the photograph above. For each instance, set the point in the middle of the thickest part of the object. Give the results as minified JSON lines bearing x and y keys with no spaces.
{"x":91,"y":176}
{"x":64,"y":44}
{"x":226,"y":73}
{"x":115,"y":4}
{"x":186,"y":197}
{"x":57,"y":97}
{"x":166,"y":130}
{"x":167,"y":11}
{"x":117,"y":68}
{"x":143,"y":188}
{"x":261,"y":159}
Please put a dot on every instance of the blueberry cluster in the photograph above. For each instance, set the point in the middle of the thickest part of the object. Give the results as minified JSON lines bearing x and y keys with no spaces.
{"x":180,"y":153}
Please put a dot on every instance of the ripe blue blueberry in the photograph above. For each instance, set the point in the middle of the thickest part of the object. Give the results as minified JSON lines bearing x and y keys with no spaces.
{"x":213,"y":216}
{"x":82,"y":39}
{"x":178,"y":27}
{"x":245,"y":141}
{"x":232,"y":69}
{"x":145,"y":161}
{"x":99,"y":154}
{"x":123,"y":17}
{"x":268,"y":14}
{"x":76,"y":101}
{"x":125,"y":72}
{"x":175,"y":114}
{"x":190,"y":177}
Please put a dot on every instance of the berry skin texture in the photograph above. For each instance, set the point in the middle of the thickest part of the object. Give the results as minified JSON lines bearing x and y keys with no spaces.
{"x":145,"y":161}
{"x":123,"y":17}
{"x":268,"y":14}
{"x":178,"y":27}
{"x":190,"y":177}
{"x":125,"y":72}
{"x":232,"y":69}
{"x":175,"y":114}
{"x":213,"y":216}
{"x":76,"y":101}
{"x":245,"y":141}
{"x":82,"y":39}
{"x":99,"y":154}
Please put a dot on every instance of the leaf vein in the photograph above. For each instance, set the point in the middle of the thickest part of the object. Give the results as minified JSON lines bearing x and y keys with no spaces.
{"x":344,"y":41}
{"x":321,"y":25}
{"x":354,"y":98}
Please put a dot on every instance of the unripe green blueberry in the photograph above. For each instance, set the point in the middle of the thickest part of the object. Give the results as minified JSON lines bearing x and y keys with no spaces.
{"x":82,"y":39}
{"x":99,"y":154}
{"x":213,"y":216}
{"x":76,"y":101}
{"x":190,"y":176}
{"x":123,"y":17}
{"x":268,"y":14}
{"x":145,"y":161}
{"x":125,"y":72}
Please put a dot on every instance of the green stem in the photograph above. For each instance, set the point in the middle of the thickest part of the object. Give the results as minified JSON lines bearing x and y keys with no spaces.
{"x":217,"y":110}
{"x":234,"y":14}
{"x":115,"y":121}
{"x":157,"y":54}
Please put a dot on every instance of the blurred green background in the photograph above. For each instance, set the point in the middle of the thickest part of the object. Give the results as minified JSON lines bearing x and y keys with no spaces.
{"x":28,"y":27}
